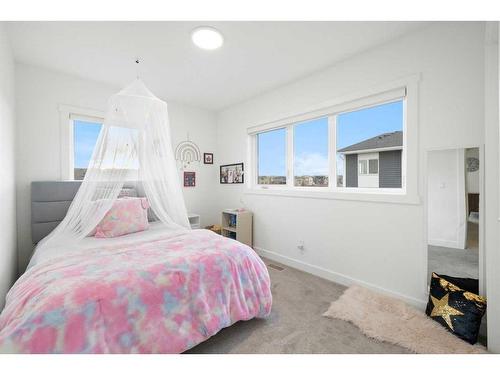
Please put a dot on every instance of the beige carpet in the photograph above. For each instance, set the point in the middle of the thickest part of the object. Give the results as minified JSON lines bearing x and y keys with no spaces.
{"x":393,"y":321}
{"x":296,"y":324}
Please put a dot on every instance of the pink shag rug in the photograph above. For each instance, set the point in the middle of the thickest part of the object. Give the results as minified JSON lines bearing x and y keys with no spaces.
{"x":391,"y":320}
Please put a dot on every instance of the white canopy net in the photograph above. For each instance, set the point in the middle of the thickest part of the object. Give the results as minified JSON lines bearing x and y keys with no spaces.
{"x":134,"y":145}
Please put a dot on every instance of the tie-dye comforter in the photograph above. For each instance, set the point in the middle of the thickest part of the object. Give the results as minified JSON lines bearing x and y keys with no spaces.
{"x":162,"y":296}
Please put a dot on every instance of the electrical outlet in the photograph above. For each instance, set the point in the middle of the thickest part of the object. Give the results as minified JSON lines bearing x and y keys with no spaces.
{"x":300,"y":246}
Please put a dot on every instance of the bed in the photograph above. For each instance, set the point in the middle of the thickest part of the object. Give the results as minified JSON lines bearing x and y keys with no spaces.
{"x":161,"y":291}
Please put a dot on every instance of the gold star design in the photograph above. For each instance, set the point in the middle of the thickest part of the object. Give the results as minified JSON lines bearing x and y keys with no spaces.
{"x":442,"y":309}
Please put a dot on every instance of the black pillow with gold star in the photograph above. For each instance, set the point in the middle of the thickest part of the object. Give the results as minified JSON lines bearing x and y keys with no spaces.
{"x":454,"y":305}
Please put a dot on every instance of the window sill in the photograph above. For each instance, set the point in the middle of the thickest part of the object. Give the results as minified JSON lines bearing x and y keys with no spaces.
{"x":362,"y":196}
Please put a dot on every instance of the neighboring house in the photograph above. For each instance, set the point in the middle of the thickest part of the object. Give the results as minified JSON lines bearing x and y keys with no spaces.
{"x":374,"y":162}
{"x":79,"y":173}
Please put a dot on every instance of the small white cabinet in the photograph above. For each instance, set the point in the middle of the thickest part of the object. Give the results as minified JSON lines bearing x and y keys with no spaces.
{"x":238,"y":226}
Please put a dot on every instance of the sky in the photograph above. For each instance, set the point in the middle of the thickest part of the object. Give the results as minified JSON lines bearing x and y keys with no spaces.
{"x":311,"y":139}
{"x":85,"y":135}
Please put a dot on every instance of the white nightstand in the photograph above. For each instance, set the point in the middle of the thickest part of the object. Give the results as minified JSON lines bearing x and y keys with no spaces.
{"x":194,"y":221}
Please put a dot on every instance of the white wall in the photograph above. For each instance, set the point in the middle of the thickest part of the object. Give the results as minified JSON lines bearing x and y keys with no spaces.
{"x":7,"y":170}
{"x":446,"y":198}
{"x":39,"y":94}
{"x":201,"y":126}
{"x":378,"y":244}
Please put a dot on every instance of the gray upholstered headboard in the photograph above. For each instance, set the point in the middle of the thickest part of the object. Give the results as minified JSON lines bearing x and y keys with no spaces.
{"x":50,"y":201}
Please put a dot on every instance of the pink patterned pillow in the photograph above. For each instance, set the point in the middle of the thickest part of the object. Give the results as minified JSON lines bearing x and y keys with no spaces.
{"x":127,"y":215}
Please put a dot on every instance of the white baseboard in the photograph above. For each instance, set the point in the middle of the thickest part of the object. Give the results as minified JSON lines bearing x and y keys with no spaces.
{"x":336,"y":277}
{"x":443,"y":243}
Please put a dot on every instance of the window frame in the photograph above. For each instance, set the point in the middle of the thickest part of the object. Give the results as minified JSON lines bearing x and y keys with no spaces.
{"x":292,"y":155}
{"x":257,"y":157}
{"x":404,"y":89}
{"x":360,"y":172}
{"x":368,"y":169}
{"x":289,"y":160}
{"x":67,"y":115}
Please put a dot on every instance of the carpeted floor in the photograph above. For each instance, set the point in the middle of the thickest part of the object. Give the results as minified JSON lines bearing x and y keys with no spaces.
{"x":453,"y":262}
{"x":456,"y":262}
{"x":296,"y":324}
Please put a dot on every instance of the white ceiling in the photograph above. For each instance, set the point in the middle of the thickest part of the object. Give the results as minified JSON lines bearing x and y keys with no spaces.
{"x":256,"y":56}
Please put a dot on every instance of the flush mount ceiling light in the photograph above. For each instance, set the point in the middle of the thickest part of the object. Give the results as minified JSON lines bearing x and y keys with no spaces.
{"x":207,"y":38}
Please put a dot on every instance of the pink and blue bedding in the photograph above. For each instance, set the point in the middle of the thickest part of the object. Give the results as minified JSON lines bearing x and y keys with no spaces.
{"x":161,"y":295}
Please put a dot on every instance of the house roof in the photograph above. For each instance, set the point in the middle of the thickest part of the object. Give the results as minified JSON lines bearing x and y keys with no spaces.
{"x":393,"y":139}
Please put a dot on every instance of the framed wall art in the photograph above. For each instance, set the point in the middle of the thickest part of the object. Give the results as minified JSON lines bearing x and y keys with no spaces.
{"x":189,"y":179}
{"x":232,"y":174}
{"x":208,"y":158}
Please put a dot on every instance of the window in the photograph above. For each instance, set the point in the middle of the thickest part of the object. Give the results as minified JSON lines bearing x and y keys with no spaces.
{"x":363,"y":167}
{"x":368,"y":166}
{"x":85,"y":134}
{"x":373,"y":166}
{"x":357,"y":146}
{"x":372,"y":138}
{"x":310,"y":153}
{"x":271,"y":165}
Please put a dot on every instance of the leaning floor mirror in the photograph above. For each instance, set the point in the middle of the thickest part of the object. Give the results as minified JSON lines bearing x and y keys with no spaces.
{"x":454,"y":224}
